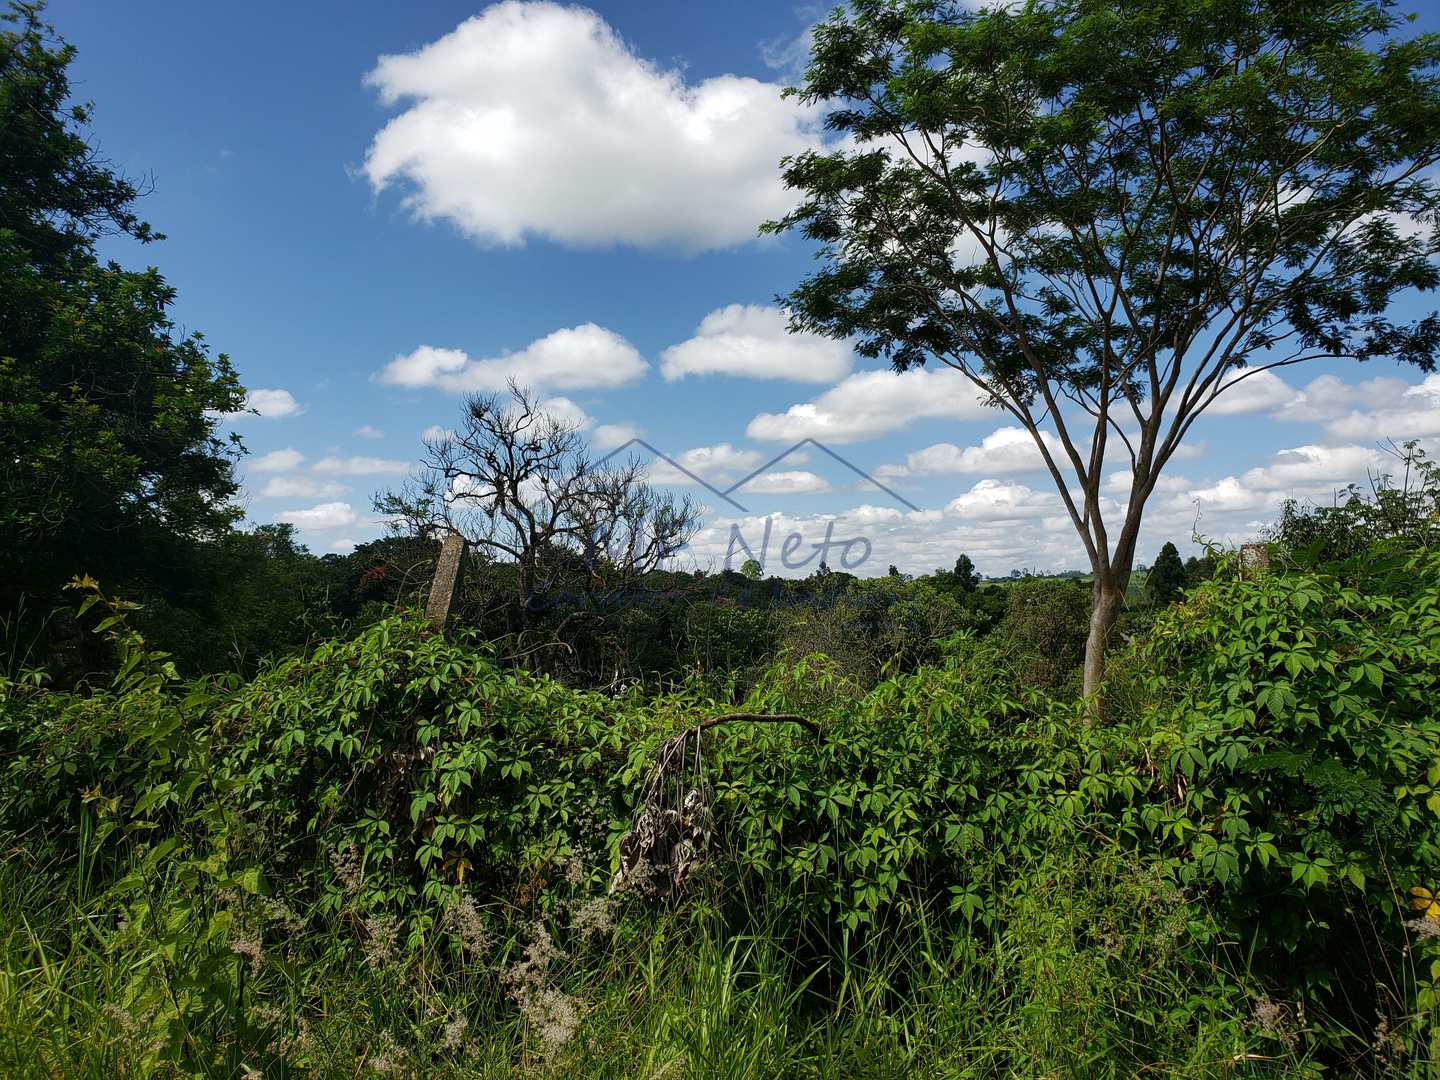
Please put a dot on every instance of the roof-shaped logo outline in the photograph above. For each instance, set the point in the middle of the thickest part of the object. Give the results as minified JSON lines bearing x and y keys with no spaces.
{"x":725,"y":493}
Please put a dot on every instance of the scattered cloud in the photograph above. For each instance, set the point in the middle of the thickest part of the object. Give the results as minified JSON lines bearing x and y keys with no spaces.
{"x":581,"y":357}
{"x":331,"y":515}
{"x":435,"y":433}
{"x":788,"y":53}
{"x":277,"y":461}
{"x":1304,"y":466}
{"x":1005,"y":450}
{"x":538,"y":120}
{"x":795,"y":482}
{"x":1328,"y":398}
{"x":1243,"y":393}
{"x":609,"y":436}
{"x":1382,"y":407}
{"x":752,"y":341}
{"x":1303,"y":472}
{"x":365,"y":431}
{"x":301,"y":487}
{"x":1412,"y":413}
{"x":999,"y":500}
{"x":360,"y":465}
{"x":566,"y":412}
{"x":873,"y":403}
{"x":268,"y":405}
{"x":720,"y":464}
{"x":1228,"y":494}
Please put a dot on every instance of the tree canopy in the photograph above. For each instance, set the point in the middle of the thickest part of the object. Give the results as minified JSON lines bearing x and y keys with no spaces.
{"x":1166,"y":578}
{"x":109,"y":454}
{"x":1106,"y":213}
{"x":966,"y":574}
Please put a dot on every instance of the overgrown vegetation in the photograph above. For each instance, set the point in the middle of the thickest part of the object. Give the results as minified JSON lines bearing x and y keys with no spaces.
{"x":394,"y":852}
{"x":260,"y":818}
{"x":1092,"y":210}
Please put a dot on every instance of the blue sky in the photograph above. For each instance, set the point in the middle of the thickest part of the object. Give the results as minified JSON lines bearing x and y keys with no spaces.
{"x":569,"y":195}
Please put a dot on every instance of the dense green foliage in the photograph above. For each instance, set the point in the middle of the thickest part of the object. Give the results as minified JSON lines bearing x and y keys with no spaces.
{"x":1045,"y":628}
{"x":1166,"y":578}
{"x":1235,"y":856}
{"x":261,"y":819}
{"x":1091,"y":209}
{"x":109,"y":454}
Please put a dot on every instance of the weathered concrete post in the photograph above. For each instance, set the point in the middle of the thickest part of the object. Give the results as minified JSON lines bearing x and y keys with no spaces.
{"x":1254,"y":559}
{"x":445,"y":586}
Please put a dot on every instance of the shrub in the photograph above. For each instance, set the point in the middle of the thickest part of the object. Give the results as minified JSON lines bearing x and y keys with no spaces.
{"x":1045,"y":626}
{"x":1259,"y":816}
{"x":1291,"y":728}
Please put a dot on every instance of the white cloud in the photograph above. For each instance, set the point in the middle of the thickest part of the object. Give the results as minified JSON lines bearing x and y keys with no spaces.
{"x":565,"y":411}
{"x":581,"y":357}
{"x":999,"y":500}
{"x":277,"y":461}
{"x":1304,"y":466}
{"x":609,"y":436}
{"x":365,"y":431}
{"x":714,"y":464}
{"x":436,"y":432}
{"x":1384,"y":407}
{"x":869,"y":514}
{"x":331,"y":515}
{"x":1246,"y":393}
{"x":426,"y":366}
{"x":1411,"y":414}
{"x":1304,"y":472}
{"x":795,"y":482}
{"x":269,"y":405}
{"x":789,"y":53}
{"x":1005,"y":450}
{"x":359,"y":465}
{"x":872,"y":403}
{"x":533,"y":119}
{"x":752,"y":341}
{"x":1229,"y":494}
{"x":301,"y":487}
{"x":1328,"y":398}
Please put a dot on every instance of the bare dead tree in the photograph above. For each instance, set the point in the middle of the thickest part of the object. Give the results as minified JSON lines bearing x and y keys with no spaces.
{"x":517,"y":480}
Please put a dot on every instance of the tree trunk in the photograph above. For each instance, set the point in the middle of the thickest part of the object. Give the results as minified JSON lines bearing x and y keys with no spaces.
{"x":1109,"y":595}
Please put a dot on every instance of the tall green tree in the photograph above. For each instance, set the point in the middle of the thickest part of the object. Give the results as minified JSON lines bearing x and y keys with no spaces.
{"x":109,"y":454}
{"x":966,"y":575}
{"x":1166,"y":578}
{"x":1107,"y":213}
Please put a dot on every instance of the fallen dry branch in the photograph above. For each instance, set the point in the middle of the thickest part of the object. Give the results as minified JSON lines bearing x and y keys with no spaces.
{"x":668,"y":843}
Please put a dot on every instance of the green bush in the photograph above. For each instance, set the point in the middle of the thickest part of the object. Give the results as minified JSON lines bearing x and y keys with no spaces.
{"x":1253,"y":829}
{"x":1290,"y":722}
{"x":1045,"y":626}
{"x":434,"y":765}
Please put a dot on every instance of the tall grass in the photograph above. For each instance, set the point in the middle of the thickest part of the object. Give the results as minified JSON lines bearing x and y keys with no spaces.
{"x":1078,"y":981}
